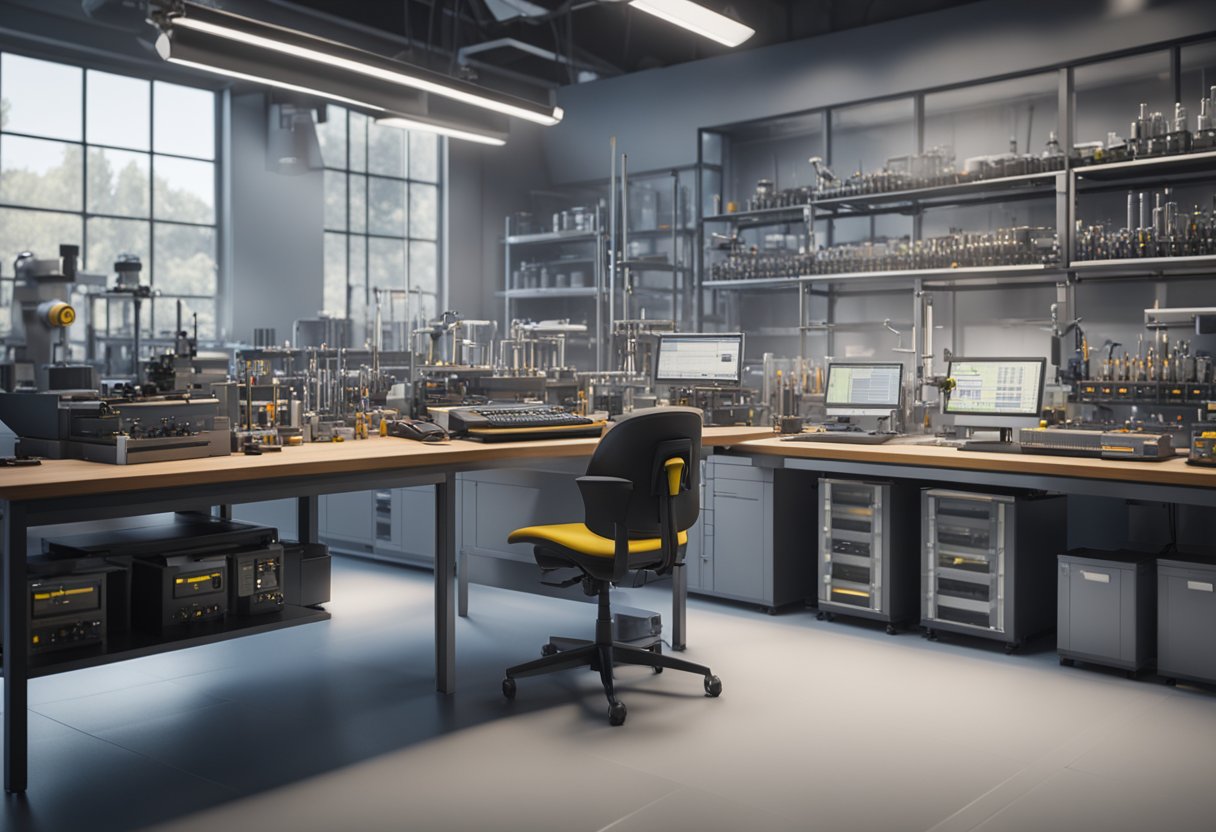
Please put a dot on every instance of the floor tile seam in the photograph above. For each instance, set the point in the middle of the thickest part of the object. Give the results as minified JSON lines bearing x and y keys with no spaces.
{"x":113,"y":743}
{"x":1021,"y":782}
{"x":151,"y":680}
{"x":639,"y":810}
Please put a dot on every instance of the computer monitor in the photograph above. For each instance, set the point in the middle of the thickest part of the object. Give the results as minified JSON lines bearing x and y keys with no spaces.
{"x":863,"y":389}
{"x":996,"y":392}
{"x":700,"y":358}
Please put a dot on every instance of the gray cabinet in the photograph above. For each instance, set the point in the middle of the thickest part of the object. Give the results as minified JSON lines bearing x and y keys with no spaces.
{"x":753,"y":526}
{"x":988,"y":561}
{"x":1186,"y":620}
{"x":396,"y":525}
{"x":1104,"y":608}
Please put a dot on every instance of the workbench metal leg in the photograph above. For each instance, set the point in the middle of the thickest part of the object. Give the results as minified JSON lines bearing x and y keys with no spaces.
{"x":16,"y":650}
{"x":679,"y":605}
{"x":445,"y":584}
{"x":306,"y":520}
{"x":462,"y":584}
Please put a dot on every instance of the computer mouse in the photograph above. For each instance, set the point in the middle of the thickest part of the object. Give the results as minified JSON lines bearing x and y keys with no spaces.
{"x":417,"y":429}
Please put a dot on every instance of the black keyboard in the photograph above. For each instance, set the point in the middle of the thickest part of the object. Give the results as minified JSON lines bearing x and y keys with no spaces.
{"x":520,"y":422}
{"x":529,"y":417}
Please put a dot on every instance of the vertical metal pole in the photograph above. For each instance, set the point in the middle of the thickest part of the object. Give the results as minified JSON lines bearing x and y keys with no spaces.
{"x":918,"y":126}
{"x":679,"y":606}
{"x":675,"y":259}
{"x":16,"y":650}
{"x":445,"y":584}
{"x":506,"y":280}
{"x":1066,"y":190}
{"x":612,"y":249}
{"x":306,"y":519}
{"x":626,"y":283}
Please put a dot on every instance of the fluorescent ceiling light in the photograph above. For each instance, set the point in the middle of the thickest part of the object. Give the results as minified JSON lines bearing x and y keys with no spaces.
{"x":271,"y":82}
{"x":339,"y":56}
{"x":697,"y":18}
{"x":450,"y":132}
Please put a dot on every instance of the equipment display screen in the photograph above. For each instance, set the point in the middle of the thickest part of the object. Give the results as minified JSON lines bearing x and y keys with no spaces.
{"x":707,"y":358}
{"x":864,"y":385}
{"x":996,"y":386}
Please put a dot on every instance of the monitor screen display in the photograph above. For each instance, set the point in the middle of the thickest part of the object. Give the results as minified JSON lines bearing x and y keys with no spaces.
{"x":875,"y":386}
{"x":996,"y":386}
{"x":700,"y":359}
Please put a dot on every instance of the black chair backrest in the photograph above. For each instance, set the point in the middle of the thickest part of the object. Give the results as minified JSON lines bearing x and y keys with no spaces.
{"x":635,"y":449}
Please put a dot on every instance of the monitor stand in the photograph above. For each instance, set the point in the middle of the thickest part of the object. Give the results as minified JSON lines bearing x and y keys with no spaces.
{"x":1004,"y":445}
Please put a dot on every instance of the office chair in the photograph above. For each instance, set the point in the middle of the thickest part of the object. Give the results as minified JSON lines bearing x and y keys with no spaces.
{"x":640,"y":495}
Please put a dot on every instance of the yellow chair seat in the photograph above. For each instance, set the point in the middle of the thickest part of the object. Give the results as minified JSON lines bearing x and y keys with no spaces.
{"x":579,"y":538}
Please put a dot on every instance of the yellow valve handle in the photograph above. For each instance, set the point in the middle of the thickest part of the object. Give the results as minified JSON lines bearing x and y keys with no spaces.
{"x":61,"y":314}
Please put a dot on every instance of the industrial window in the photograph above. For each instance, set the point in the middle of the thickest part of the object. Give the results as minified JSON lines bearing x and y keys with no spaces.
{"x":382,"y":219}
{"x":118,"y":165}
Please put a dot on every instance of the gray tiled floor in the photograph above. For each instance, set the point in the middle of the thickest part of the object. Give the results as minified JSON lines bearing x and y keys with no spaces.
{"x":823,"y":726}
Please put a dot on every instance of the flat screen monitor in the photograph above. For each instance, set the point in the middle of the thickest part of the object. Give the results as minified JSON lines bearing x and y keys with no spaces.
{"x":996,"y":392}
{"x":863,"y":389}
{"x":700,"y":358}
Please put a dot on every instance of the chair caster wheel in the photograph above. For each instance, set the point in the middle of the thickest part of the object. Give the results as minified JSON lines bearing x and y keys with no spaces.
{"x":891,"y":631}
{"x":616,"y":713}
{"x":931,"y":635}
{"x":1011,"y":648}
{"x":547,"y":649}
{"x":1066,"y":662}
{"x":713,"y":686}
{"x":1171,"y":683}
{"x":508,"y":688}
{"x":657,"y":649}
{"x":819,"y":616}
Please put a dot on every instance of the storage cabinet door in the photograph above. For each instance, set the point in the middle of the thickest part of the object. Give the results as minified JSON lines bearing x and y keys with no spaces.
{"x":350,"y":516}
{"x":1187,"y":622}
{"x":415,"y":521}
{"x":738,"y":567}
{"x":1093,"y":604}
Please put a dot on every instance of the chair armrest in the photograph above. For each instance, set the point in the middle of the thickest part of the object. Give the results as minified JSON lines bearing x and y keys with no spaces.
{"x":606,"y":497}
{"x":606,"y":501}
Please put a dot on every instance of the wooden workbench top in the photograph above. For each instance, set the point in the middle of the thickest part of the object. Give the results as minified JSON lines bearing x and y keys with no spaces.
{"x":1170,"y":472}
{"x":72,"y":478}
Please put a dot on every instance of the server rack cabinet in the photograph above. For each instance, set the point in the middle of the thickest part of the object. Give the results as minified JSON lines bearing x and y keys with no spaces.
{"x":987,"y":563}
{"x":1104,"y":609}
{"x":1186,"y":620}
{"x":867,"y":551}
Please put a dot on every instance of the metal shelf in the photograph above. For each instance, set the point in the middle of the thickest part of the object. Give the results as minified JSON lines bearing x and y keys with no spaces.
{"x":135,"y":644}
{"x":1180,"y":164}
{"x":959,"y":273}
{"x":651,"y":266}
{"x":1203,"y":263}
{"x":981,"y":190}
{"x":660,"y":232}
{"x":551,"y":237}
{"x":763,"y":216}
{"x":549,"y":292}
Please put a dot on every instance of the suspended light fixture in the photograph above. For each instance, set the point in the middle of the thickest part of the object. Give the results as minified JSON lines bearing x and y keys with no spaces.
{"x":451,"y":132}
{"x":339,"y":60}
{"x":696,"y":18}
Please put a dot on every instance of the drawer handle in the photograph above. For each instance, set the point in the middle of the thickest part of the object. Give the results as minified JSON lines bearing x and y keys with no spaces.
{"x":1199,"y":586}
{"x":1096,"y":577}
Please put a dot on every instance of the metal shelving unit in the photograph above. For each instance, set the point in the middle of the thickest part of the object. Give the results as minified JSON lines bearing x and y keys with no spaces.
{"x":552,"y":251}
